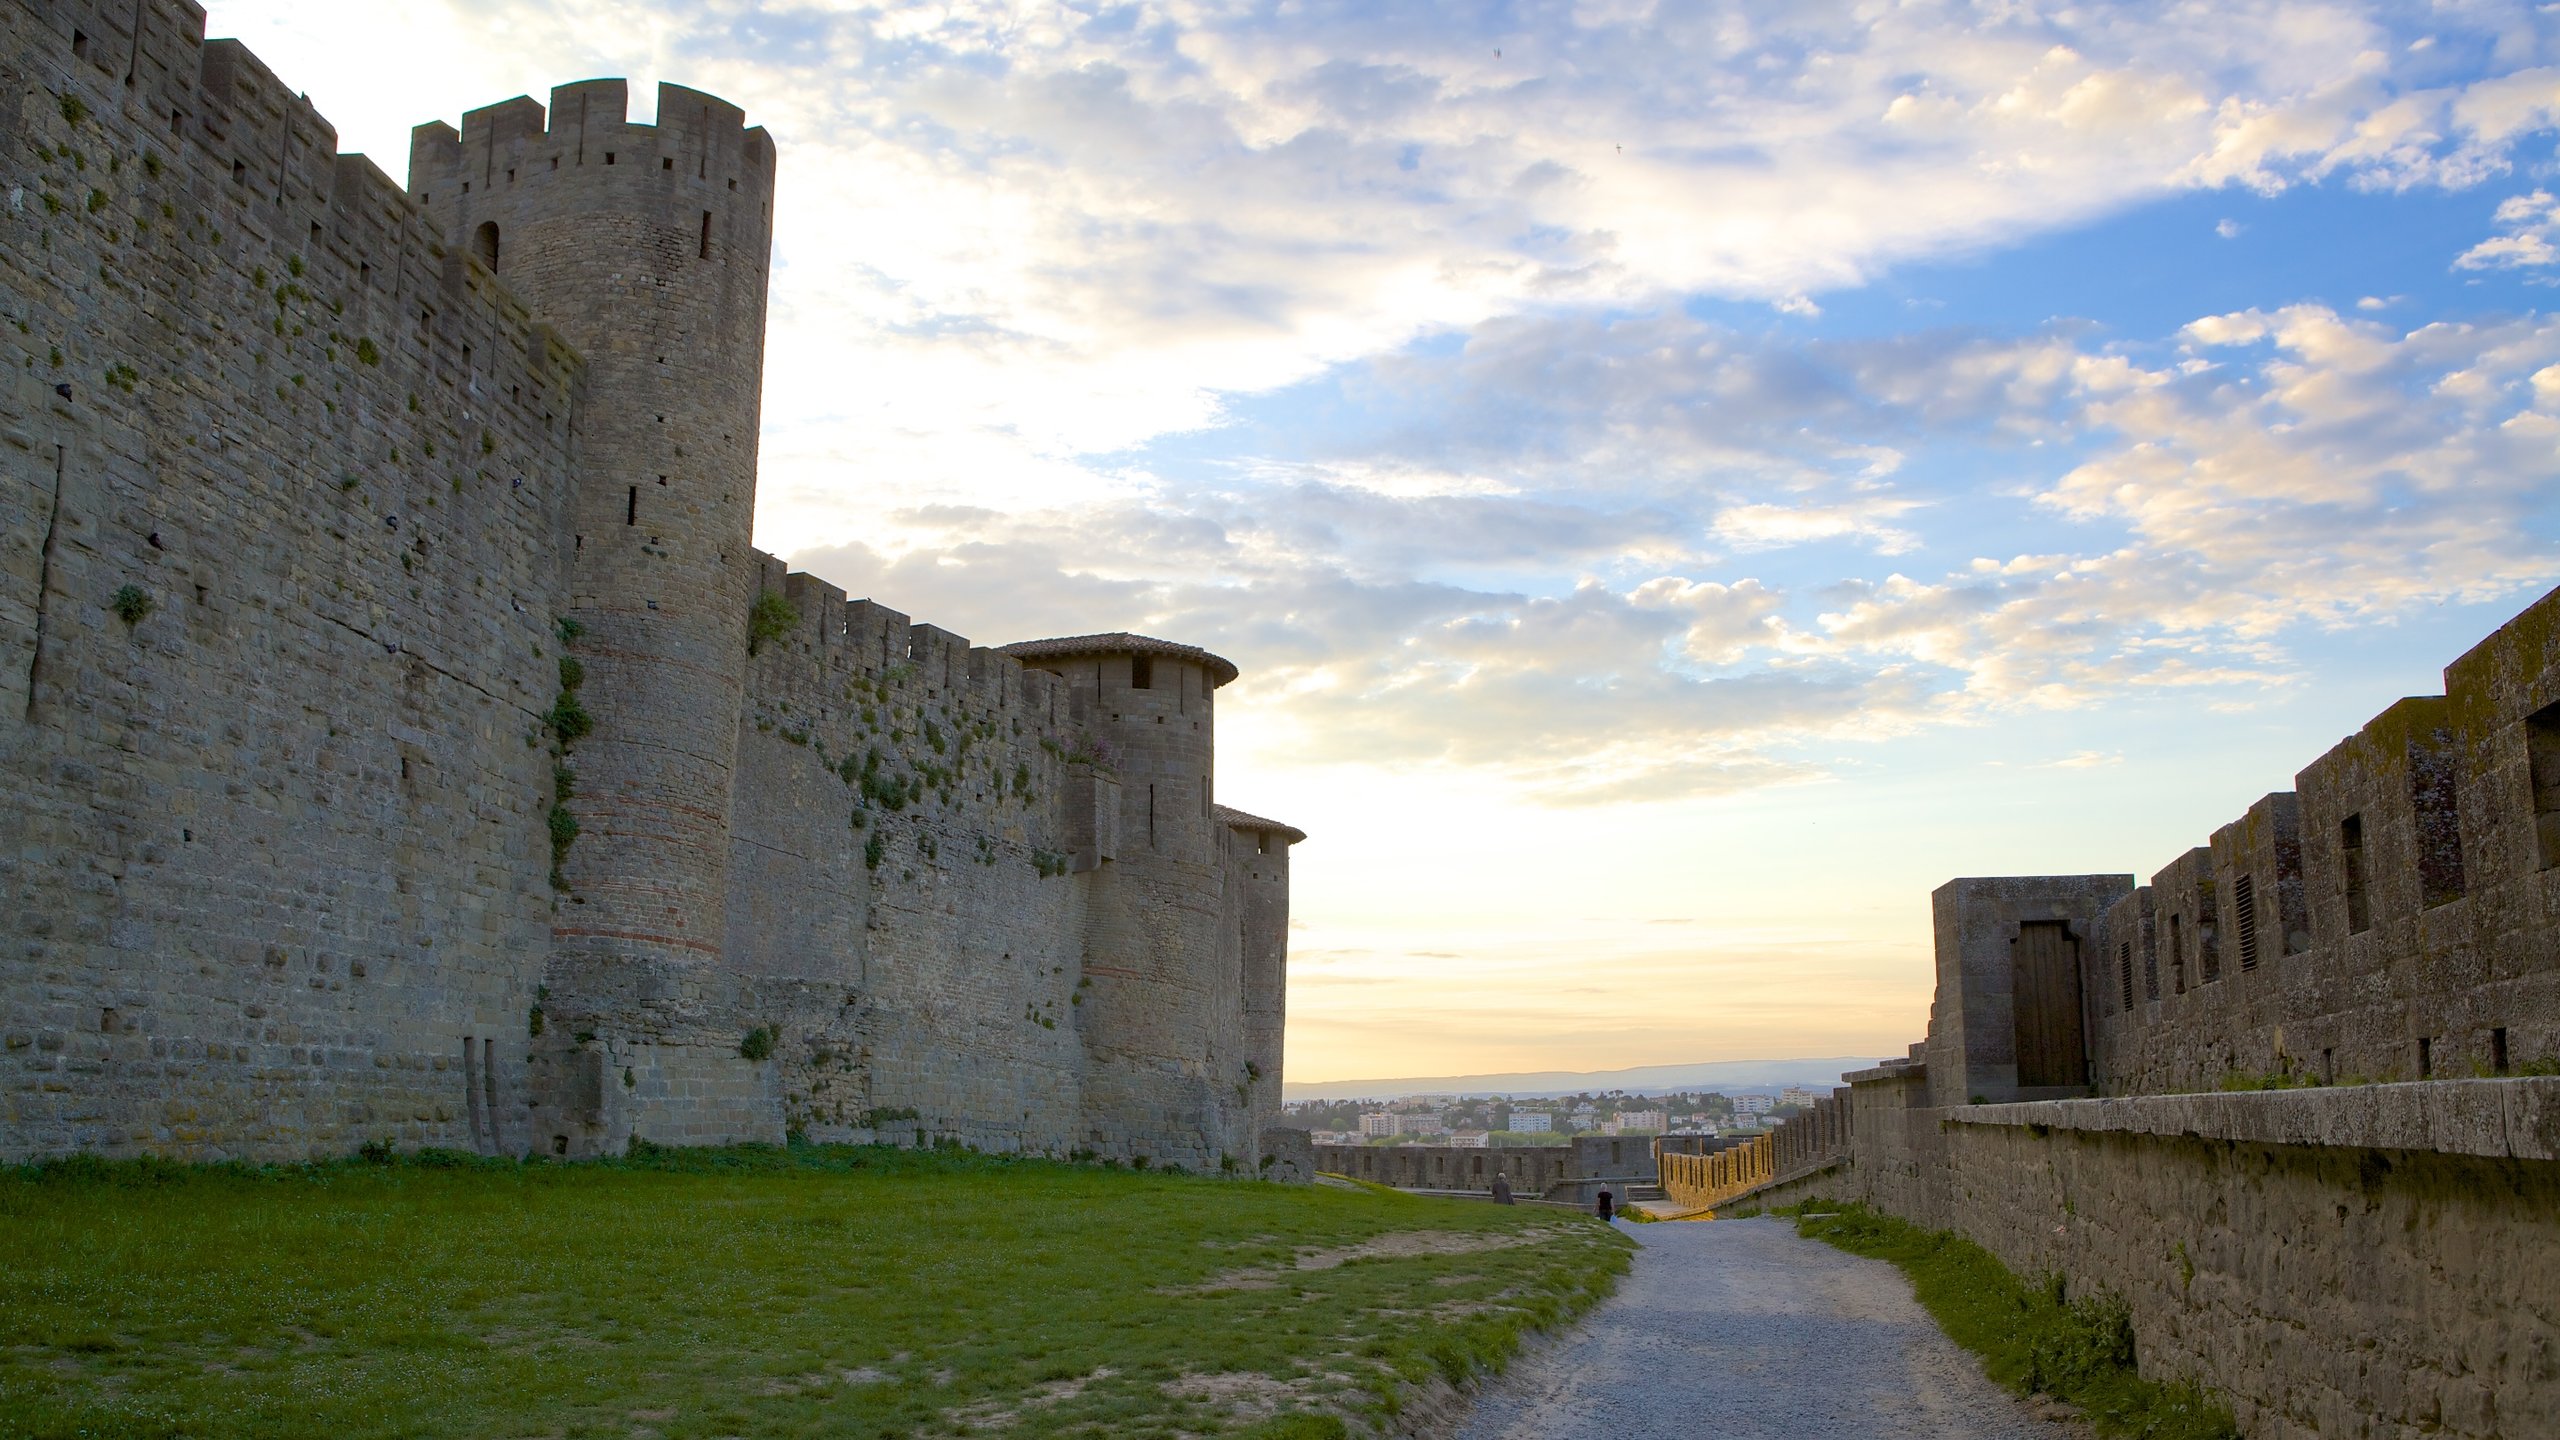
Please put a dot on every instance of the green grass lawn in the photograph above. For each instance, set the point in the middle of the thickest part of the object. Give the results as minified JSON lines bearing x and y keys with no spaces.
{"x":817,"y":1291}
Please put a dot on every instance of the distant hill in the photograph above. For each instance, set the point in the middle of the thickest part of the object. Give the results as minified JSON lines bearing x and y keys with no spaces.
{"x":1729,"y":1076}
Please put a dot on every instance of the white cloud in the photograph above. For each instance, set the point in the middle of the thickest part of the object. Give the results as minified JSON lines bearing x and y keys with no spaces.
{"x":2530,"y":224}
{"x":1016,"y":232}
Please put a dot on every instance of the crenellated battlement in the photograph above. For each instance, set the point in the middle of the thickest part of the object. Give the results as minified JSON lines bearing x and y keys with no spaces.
{"x":2388,"y":918}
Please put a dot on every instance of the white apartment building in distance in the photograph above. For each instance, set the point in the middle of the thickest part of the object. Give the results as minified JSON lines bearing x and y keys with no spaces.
{"x":1753,"y":1104}
{"x":1381,"y":1123}
{"x":1531,"y":1122}
{"x":1799,"y":1095}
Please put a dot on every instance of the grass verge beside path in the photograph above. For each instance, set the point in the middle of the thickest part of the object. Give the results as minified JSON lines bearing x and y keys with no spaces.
{"x":836,"y":1290}
{"x":2031,"y":1339}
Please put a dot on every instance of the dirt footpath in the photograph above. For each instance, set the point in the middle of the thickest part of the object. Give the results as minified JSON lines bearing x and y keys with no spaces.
{"x":1739,"y":1330}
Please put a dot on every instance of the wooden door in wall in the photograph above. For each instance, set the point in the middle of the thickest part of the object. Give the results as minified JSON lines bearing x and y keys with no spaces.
{"x":2045,"y":991}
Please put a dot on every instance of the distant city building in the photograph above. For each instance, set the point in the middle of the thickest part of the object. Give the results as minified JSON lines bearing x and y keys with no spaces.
{"x":1381,"y":1123}
{"x":1470,"y":1139}
{"x":1800,"y":1096}
{"x":1641,"y":1120}
{"x":1532,"y":1121}
{"x":1425,"y":1125}
{"x":1753,"y":1104}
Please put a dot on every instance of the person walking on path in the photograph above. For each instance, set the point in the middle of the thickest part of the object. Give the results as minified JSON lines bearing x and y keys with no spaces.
{"x":1606,"y":1212}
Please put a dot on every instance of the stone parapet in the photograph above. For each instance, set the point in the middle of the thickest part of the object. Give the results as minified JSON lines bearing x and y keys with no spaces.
{"x":2515,"y":1118}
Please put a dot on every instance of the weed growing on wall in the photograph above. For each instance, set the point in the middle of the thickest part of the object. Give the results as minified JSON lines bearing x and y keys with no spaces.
{"x":770,"y":618}
{"x":131,"y":604}
{"x":2033,"y":1339}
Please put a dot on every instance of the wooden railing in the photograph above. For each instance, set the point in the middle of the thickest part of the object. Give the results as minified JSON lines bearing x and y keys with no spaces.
{"x":1703,"y":1182}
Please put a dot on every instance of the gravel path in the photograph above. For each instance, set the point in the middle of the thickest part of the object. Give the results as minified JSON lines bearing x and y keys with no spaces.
{"x":1739,"y":1330}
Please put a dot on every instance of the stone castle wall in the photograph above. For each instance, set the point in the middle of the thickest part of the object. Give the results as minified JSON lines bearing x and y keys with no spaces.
{"x":1533,"y":1169}
{"x":273,"y":850}
{"x":907,"y":916}
{"x":304,"y":856}
{"x":2370,"y":1255}
{"x":2359,"y":1260}
{"x":2390,"y":917}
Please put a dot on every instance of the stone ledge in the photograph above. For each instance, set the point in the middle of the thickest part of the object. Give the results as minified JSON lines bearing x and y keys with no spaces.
{"x":2516,"y":1118}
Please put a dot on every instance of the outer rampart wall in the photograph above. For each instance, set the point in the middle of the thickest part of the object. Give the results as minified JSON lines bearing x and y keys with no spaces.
{"x":274,"y":853}
{"x":1532,"y":1168}
{"x":901,"y":907}
{"x":2395,"y":916}
{"x":2370,"y":1259}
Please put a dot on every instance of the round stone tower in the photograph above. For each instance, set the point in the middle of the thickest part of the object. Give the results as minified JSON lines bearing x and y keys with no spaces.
{"x":1162,"y":1021}
{"x":645,"y":246}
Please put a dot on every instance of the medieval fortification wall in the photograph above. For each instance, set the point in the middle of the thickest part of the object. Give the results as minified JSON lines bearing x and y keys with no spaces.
{"x":2292,"y":1104}
{"x":402,"y":739}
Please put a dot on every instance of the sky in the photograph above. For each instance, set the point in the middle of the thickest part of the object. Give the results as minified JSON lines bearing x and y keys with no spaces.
{"x":1681,"y":481}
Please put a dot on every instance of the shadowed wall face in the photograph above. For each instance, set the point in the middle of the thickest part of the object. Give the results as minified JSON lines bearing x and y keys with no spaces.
{"x":277,"y":567}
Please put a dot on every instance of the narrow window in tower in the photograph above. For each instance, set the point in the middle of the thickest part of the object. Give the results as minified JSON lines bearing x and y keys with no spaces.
{"x":2177,"y":955}
{"x":315,"y":232}
{"x":466,"y":187}
{"x":1151,"y":816}
{"x":555,"y":162}
{"x":666,"y":162}
{"x":1142,"y":672}
{"x":733,"y":184}
{"x":608,"y":157}
{"x":177,"y":122}
{"x":364,"y":273}
{"x":239,"y":169}
{"x":706,"y":234}
{"x":2498,"y":1051}
{"x":631,"y":507}
{"x":484,"y":243}
{"x":79,"y":45}
{"x":2244,"y":904}
{"x":511,"y":177}
{"x":2351,"y":852}
{"x":2124,"y":972}
{"x":2426,"y":1058}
